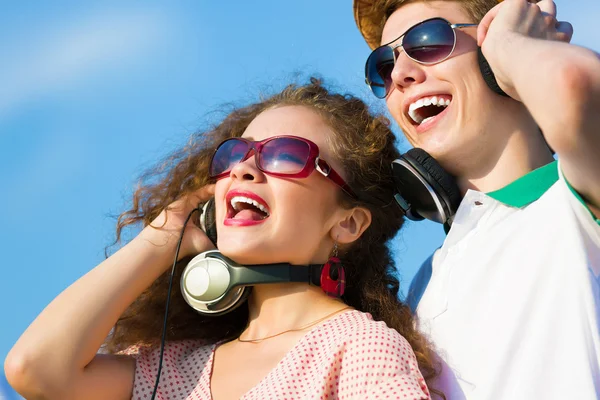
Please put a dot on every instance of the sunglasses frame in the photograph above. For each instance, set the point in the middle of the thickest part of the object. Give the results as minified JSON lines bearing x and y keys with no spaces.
{"x":313,"y":162}
{"x":401,"y":37}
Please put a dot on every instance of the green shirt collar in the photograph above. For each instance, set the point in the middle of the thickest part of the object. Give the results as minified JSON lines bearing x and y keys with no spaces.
{"x":529,"y":187}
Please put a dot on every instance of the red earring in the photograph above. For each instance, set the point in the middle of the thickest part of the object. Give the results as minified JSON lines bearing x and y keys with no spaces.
{"x":333,"y":276}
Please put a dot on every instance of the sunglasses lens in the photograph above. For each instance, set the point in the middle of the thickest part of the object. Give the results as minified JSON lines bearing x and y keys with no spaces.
{"x":284,"y":155}
{"x":430,"y":42}
{"x":228,"y":154}
{"x":378,"y":70}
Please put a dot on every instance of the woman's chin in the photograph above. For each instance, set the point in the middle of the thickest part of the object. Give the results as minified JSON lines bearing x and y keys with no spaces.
{"x":246,"y":254}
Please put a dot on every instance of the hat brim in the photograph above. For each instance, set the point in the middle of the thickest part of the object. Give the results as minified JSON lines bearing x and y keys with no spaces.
{"x":369,"y":17}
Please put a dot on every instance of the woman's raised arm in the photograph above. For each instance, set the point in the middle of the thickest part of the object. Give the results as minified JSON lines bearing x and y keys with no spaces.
{"x":56,"y":357}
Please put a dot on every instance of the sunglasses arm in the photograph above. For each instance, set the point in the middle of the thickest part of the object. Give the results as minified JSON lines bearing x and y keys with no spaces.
{"x":459,"y":26}
{"x":325,"y":169}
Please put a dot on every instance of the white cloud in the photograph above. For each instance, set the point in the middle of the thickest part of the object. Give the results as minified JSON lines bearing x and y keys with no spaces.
{"x":56,"y":56}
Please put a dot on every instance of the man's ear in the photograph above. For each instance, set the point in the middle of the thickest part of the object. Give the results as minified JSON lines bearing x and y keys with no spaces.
{"x":350,"y":228}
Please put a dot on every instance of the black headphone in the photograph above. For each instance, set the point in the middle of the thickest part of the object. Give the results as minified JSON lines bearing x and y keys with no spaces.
{"x":425,"y":189}
{"x":213,"y":284}
{"x":488,"y":74}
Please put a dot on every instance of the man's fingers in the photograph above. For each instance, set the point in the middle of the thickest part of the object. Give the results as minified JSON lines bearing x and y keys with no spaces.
{"x":484,"y":25}
{"x":564,"y":31}
{"x":547,"y":7}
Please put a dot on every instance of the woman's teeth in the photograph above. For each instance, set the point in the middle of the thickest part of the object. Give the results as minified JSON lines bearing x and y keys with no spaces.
{"x":418,"y":116}
{"x":235,"y":203}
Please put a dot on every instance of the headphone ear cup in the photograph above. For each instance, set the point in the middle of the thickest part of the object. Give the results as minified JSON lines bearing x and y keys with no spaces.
{"x":488,"y":74}
{"x":207,"y":287}
{"x":232,"y":300}
{"x":208,"y":220}
{"x":441,"y":181}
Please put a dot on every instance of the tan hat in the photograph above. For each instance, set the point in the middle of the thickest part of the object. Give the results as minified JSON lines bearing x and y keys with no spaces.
{"x":370,"y":19}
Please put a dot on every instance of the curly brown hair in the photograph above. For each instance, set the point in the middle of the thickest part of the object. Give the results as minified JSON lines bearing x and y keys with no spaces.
{"x":365,"y":146}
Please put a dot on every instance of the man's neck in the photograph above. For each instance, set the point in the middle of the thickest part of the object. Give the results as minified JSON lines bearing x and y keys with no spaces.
{"x":523,"y":153}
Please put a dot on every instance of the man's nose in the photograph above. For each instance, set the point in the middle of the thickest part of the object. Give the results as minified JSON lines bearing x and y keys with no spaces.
{"x":406,"y":72}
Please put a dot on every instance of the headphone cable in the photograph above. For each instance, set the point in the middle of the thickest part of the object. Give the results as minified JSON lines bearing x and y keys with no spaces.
{"x":164,"y":332}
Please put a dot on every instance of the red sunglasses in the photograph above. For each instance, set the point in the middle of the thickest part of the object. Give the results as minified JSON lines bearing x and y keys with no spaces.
{"x":281,"y":156}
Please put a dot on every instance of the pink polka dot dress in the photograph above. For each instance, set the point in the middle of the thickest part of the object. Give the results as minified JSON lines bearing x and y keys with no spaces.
{"x":349,"y":356}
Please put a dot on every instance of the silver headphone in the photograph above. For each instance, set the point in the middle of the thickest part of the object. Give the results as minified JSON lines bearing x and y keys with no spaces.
{"x":207,"y":284}
{"x":213,"y":284}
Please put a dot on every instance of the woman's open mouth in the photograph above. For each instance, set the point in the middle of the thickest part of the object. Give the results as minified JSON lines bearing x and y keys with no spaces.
{"x":245,"y":208}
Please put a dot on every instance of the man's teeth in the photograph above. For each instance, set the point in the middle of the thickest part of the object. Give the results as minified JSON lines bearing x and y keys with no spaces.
{"x":235,"y":201}
{"x":426,"y":101}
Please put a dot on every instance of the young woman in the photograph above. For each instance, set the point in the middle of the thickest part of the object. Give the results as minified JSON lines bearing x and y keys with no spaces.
{"x":301,"y":178}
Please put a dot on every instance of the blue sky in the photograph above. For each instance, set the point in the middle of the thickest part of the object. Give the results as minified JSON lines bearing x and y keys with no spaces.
{"x":92,"y":93}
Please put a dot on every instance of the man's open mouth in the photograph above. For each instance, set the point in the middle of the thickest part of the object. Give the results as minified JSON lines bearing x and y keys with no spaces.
{"x":427,"y":108}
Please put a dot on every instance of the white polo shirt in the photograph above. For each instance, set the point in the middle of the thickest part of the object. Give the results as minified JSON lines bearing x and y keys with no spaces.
{"x":513,"y":303}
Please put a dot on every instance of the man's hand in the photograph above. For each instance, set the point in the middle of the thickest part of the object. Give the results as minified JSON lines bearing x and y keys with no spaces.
{"x":559,"y":83}
{"x":508,"y":23}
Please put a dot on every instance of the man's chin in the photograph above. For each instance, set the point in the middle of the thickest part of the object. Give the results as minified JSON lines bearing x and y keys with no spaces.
{"x":447,"y":156}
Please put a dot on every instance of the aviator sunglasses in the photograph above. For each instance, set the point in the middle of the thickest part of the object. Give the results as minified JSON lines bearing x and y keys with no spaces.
{"x":280,"y":156}
{"x":428,"y":42}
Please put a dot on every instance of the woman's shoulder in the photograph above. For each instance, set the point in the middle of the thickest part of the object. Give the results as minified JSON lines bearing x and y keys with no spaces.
{"x":372,"y":357}
{"x":185,"y":363}
{"x":358,"y":333}
{"x":174,"y":350}
{"x":360,"y":325}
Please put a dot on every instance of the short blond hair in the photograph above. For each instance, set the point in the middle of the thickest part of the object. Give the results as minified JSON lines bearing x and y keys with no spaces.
{"x":371,"y":15}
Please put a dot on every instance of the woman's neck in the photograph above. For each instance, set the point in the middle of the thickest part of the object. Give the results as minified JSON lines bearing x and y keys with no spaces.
{"x":275,"y":308}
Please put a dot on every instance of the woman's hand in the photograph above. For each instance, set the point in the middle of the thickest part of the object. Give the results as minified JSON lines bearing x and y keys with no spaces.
{"x":503,"y":28}
{"x":165,"y":230}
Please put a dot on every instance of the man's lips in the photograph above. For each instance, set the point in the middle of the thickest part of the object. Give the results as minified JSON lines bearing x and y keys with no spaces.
{"x":412,"y":100}
{"x":430,"y":122}
{"x":422,"y":111}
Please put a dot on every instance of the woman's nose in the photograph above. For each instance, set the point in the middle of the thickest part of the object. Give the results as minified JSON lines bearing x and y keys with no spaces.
{"x":247,"y":170}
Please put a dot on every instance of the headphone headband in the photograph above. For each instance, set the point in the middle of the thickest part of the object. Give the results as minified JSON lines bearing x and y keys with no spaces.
{"x":269,"y":273}
{"x":213,"y":284}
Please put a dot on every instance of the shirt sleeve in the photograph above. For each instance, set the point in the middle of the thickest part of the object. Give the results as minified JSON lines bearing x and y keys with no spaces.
{"x":419,"y":284}
{"x":182,"y":375}
{"x":380,"y":364}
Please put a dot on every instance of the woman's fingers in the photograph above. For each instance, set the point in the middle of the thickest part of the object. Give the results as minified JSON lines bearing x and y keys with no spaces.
{"x":201,"y":195}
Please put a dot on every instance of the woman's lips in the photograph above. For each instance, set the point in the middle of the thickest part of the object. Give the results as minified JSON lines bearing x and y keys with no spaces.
{"x":251,"y":209}
{"x":242,"y":222}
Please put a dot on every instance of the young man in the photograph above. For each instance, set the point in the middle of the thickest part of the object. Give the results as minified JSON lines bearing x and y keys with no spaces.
{"x":513,"y":301}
